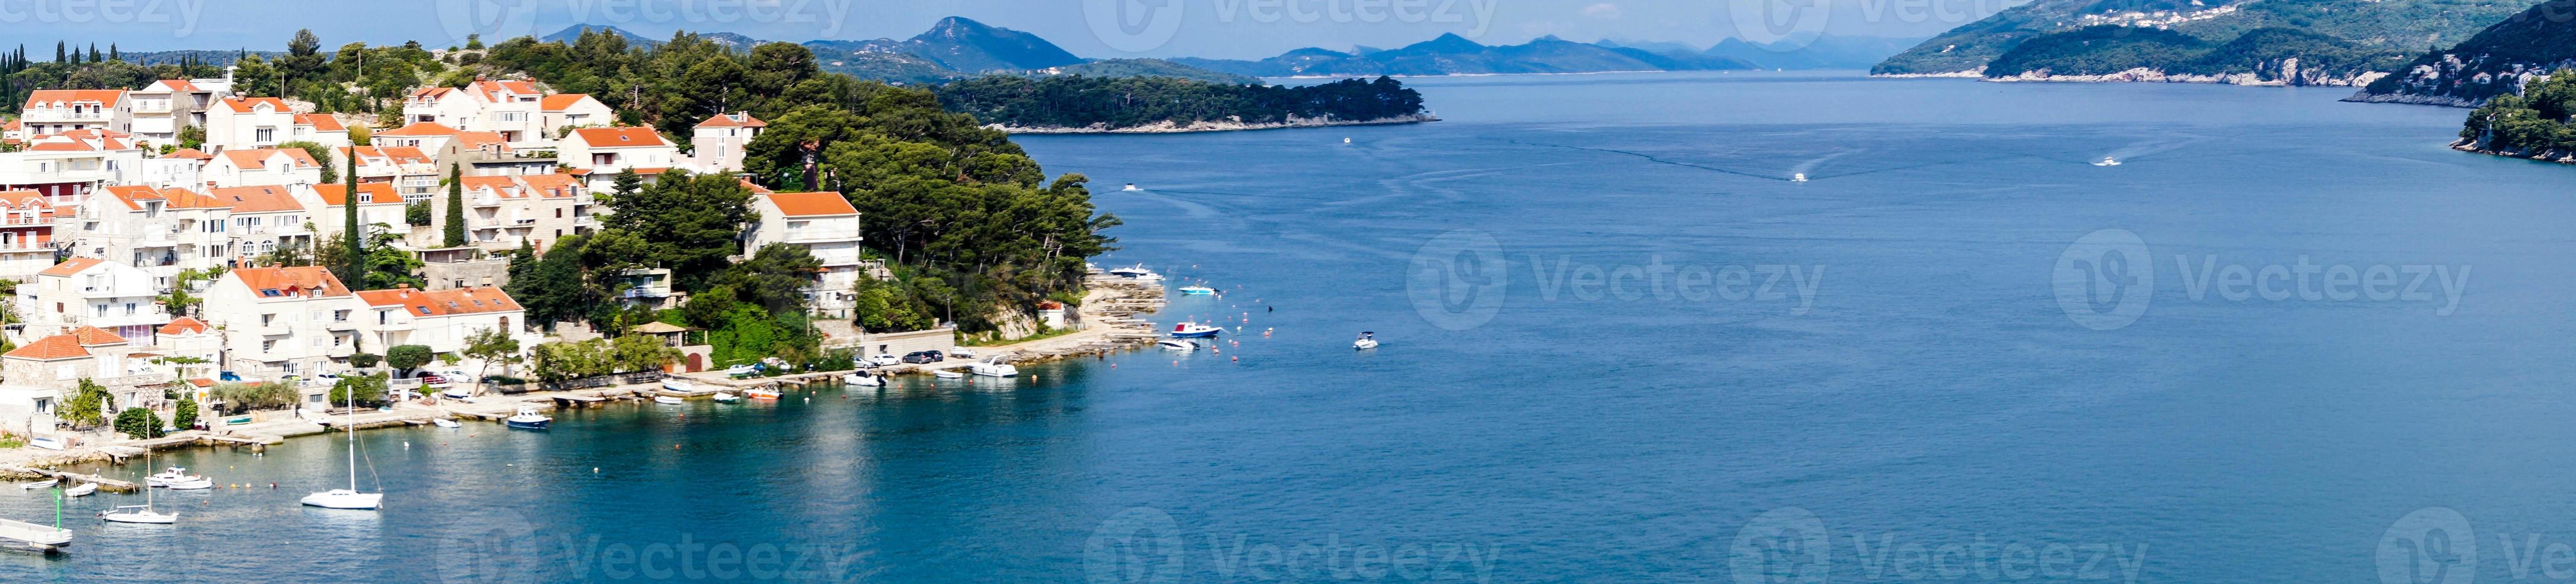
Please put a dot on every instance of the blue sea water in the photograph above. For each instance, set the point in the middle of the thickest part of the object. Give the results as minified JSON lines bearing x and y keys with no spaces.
{"x":1620,"y":345}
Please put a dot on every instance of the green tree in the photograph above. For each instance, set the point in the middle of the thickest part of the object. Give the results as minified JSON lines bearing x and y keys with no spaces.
{"x":641,"y":353}
{"x":138,"y":423}
{"x":88,"y":405}
{"x":405,"y":358}
{"x":455,"y":229}
{"x":184,"y":415}
{"x":693,"y":222}
{"x":492,"y":346}
{"x":369,"y":389}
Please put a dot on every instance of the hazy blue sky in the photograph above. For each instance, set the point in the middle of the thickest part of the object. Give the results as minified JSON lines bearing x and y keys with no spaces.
{"x":1091,"y":28}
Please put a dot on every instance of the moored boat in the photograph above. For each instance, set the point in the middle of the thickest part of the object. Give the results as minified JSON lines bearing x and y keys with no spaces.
{"x":1192,"y":330}
{"x":172,"y":475}
{"x":1197,"y":291}
{"x":947,"y":374}
{"x":861,"y":380}
{"x":762,"y":394}
{"x":678,"y":384}
{"x":1176,"y":345}
{"x":727,"y":397}
{"x":445,"y":423}
{"x":81,"y":490}
{"x":138,"y":514}
{"x":528,"y":419}
{"x":667,"y":400}
{"x":43,"y":484}
{"x":195,"y":485}
{"x":993,"y":367}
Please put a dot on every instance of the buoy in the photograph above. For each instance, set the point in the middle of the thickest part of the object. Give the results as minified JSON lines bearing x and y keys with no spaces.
{"x":594,"y":470}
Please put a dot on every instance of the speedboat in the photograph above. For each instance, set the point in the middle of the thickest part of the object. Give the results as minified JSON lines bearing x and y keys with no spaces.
{"x":994,"y":367}
{"x":43,"y":484}
{"x":678,"y":384}
{"x":2108,"y":161}
{"x":743,"y":370}
{"x":947,"y":374}
{"x":1346,"y":140}
{"x":1192,"y":330}
{"x":138,"y":514}
{"x":173,"y":475}
{"x":1131,"y":187}
{"x":1799,"y":177}
{"x":667,"y":400}
{"x":1367,"y":340}
{"x":1177,"y":345}
{"x":1137,"y":272}
{"x":727,"y":397}
{"x":200,"y":484}
{"x":861,"y":380}
{"x":345,"y":499}
{"x":83,"y":490}
{"x":445,"y":423}
{"x":1197,"y":290}
{"x":762,"y":394}
{"x":528,"y":419}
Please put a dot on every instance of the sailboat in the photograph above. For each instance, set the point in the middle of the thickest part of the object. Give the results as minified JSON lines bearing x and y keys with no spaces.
{"x":348,"y":498}
{"x":143,"y":513}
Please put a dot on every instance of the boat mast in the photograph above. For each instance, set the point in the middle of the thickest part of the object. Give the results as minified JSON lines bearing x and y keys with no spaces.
{"x":352,"y":390}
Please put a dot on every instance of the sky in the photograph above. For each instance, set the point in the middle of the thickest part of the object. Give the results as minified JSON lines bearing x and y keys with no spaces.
{"x":1089,"y":28}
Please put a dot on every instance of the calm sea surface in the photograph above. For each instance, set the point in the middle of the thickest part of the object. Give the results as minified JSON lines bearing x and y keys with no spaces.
{"x":1620,"y":345}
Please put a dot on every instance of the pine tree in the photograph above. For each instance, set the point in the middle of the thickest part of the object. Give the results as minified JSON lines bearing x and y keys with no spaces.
{"x":455,"y":207}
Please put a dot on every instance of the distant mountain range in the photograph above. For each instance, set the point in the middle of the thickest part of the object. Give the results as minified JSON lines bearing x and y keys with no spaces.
{"x":2497,"y":61}
{"x":2300,"y":42}
{"x":1812,"y":51}
{"x":1453,"y":55}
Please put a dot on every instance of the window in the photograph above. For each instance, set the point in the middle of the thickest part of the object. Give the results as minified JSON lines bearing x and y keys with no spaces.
{"x":129,"y":309}
{"x":264,"y":135}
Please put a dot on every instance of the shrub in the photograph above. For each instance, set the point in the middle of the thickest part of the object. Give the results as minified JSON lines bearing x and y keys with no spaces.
{"x":138,"y":423}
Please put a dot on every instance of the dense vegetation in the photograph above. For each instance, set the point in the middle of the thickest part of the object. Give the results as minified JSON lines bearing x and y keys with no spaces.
{"x":2105,"y":49}
{"x":2536,"y":123}
{"x":1076,"y":101}
{"x":2361,"y":32}
{"x":2492,"y":63}
{"x":76,"y":69}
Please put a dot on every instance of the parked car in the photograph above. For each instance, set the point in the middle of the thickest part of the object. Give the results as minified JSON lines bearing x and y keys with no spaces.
{"x":884,"y":359}
{"x":433,"y":380}
{"x":923,"y":357}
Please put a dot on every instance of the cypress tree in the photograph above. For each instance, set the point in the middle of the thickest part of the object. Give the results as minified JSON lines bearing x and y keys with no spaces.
{"x":357,"y":263}
{"x":455,"y":207}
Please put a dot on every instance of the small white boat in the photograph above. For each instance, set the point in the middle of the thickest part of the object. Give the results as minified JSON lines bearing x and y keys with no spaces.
{"x":173,"y":475}
{"x":961,"y":352}
{"x":1799,"y":177}
{"x":678,"y":384}
{"x":725,"y":397}
{"x":1131,"y":187}
{"x":138,"y":514}
{"x":742,"y":370}
{"x":1137,"y":272}
{"x":529,"y":419}
{"x":1346,"y":140}
{"x":2108,"y":161}
{"x":861,"y":380}
{"x":667,"y":400}
{"x":445,"y":423}
{"x":762,"y":394}
{"x":1367,"y":340}
{"x":1197,"y":290}
{"x":457,"y":392}
{"x":1177,"y":345}
{"x":195,"y":485}
{"x":1188,"y":330}
{"x":43,"y":484}
{"x":46,"y":443}
{"x":83,"y":490}
{"x":345,"y":499}
{"x":994,"y":367}
{"x":947,"y":374}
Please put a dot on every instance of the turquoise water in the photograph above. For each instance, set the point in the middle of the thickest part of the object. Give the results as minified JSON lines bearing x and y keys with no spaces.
{"x":1924,"y":407}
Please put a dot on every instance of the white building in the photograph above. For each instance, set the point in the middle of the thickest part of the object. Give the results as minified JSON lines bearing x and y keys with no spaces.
{"x":565,"y":111}
{"x":441,"y":319}
{"x":160,"y":231}
{"x":283,"y":321}
{"x":26,"y":234}
{"x":263,"y":166}
{"x":427,"y":136}
{"x":54,"y":111}
{"x":164,"y":107}
{"x":540,"y":209}
{"x":718,"y":143}
{"x":67,"y":166}
{"x":601,"y":153}
{"x":379,"y":206}
{"x":248,"y":122}
{"x":826,"y":225}
{"x":90,"y":292}
{"x":411,"y":173}
{"x":42,"y":375}
{"x":264,"y":218}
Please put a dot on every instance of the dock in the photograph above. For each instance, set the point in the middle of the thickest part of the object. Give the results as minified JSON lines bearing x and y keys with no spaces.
{"x":42,"y":537}
{"x":104,"y":483}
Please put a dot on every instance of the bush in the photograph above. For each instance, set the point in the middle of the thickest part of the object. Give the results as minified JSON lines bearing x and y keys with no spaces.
{"x":243,"y":397}
{"x":185,"y":414}
{"x":370,"y":390}
{"x":407,"y":357}
{"x":138,"y":423}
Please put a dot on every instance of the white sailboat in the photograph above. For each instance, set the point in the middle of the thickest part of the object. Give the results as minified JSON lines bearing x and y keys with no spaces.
{"x":348,"y":498}
{"x":143,"y":513}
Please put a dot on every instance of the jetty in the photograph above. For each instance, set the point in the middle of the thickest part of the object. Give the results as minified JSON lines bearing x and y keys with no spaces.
{"x":42,"y":537}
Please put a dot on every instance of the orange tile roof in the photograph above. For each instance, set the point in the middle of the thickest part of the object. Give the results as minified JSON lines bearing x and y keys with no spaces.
{"x":399,"y":154}
{"x":290,"y":281}
{"x":755,"y":189}
{"x":91,"y":336}
{"x":620,"y":137}
{"x":321,"y":122}
{"x":420,"y":129}
{"x":811,"y":204}
{"x":184,"y":325}
{"x":187,"y":199}
{"x":377,"y":193}
{"x":70,"y":266}
{"x":258,"y":157}
{"x":134,"y":195}
{"x":420,"y":303}
{"x":109,"y":97}
{"x":174,"y":85}
{"x":735,"y":120}
{"x":555,"y":185}
{"x":51,"y":348}
{"x":201,"y":382}
{"x":562,"y":101}
{"x":258,"y":199}
{"x":481,"y":139}
{"x":248,"y":104}
{"x":432,"y":91}
{"x":501,"y":186}
{"x":189,"y":153}
{"x":490,"y":88}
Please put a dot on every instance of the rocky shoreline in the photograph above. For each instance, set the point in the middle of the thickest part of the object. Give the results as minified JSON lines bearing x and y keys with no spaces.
{"x":2366,"y":96}
{"x":1168,"y":127}
{"x":2145,"y":75}
{"x":2557,"y":156}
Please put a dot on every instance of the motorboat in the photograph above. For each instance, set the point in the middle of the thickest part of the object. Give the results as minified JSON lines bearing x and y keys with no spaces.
{"x":196,"y":485}
{"x":1367,"y":340}
{"x":46,"y":443}
{"x":961,"y":352}
{"x":345,"y":499}
{"x":1136,"y":272}
{"x":743,"y":370}
{"x":2108,"y":161}
{"x":1197,"y":290}
{"x":1192,"y":330}
{"x":993,"y":367}
{"x":947,"y":374}
{"x":445,"y":423}
{"x":1799,"y":177}
{"x":1177,"y":345}
{"x":173,"y":475}
{"x":1346,"y":140}
{"x":667,"y":400}
{"x":453,"y":392}
{"x":528,"y":419}
{"x":727,"y":397}
{"x":762,"y":394}
{"x":1131,"y":187}
{"x":678,"y":384}
{"x":43,"y":484}
{"x":861,"y":380}
{"x":81,"y":490}
{"x":138,"y":514}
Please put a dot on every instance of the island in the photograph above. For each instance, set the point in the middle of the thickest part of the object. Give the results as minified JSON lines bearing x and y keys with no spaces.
{"x":1081,"y":104}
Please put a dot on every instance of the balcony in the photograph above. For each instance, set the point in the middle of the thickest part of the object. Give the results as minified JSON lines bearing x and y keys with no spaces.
{"x":342,"y":325}
{"x":341,"y":350}
{"x":272,"y":329}
{"x":395,"y":326}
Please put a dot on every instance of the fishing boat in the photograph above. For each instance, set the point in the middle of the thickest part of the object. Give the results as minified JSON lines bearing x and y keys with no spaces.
{"x":348,"y":498}
{"x":1192,"y":330}
{"x":1177,"y":345}
{"x":43,"y":484}
{"x":947,"y":374}
{"x":528,"y":419}
{"x":81,"y":490}
{"x":138,"y":514}
{"x":445,"y":423}
{"x":1367,"y":340}
{"x":172,"y":475}
{"x":678,"y":384}
{"x":1197,"y":290}
{"x":727,"y":397}
{"x":861,"y":380}
{"x":994,"y":367}
{"x":667,"y":400}
{"x":762,"y":394}
{"x":2108,"y":161}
